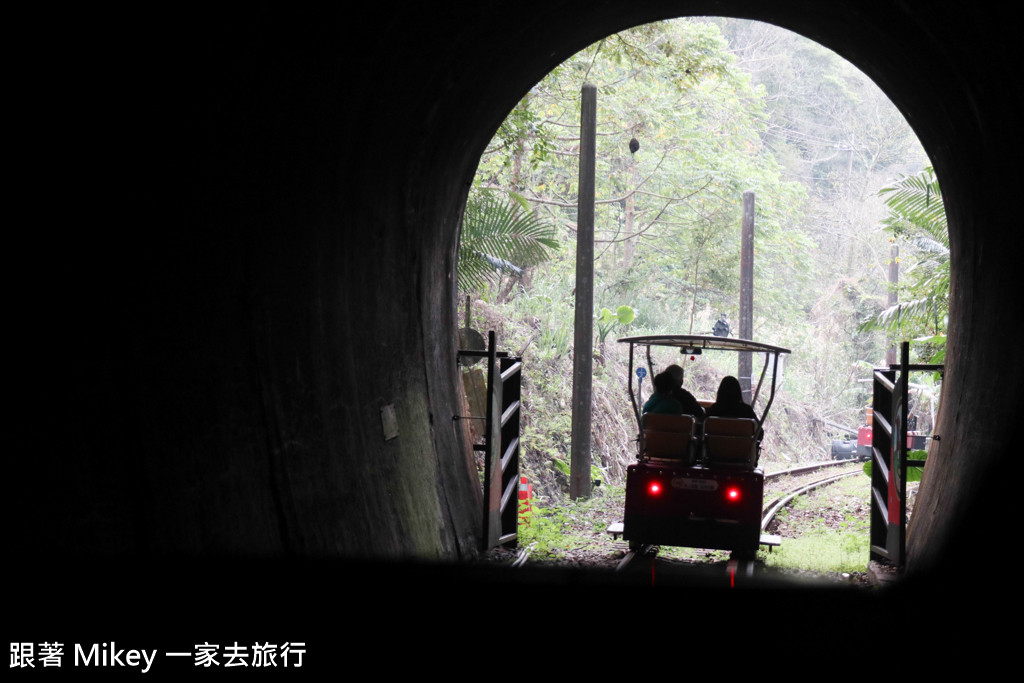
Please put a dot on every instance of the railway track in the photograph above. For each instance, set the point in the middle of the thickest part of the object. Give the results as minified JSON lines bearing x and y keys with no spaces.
{"x":785,"y":498}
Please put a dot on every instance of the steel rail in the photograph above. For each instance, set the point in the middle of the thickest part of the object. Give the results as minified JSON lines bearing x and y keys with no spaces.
{"x":769,"y":512}
{"x":803,"y":469}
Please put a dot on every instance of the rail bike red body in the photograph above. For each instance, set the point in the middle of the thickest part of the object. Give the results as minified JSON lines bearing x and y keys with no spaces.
{"x":699,"y":507}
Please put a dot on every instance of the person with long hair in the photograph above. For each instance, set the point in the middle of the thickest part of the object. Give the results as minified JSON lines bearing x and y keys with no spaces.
{"x":729,"y":401}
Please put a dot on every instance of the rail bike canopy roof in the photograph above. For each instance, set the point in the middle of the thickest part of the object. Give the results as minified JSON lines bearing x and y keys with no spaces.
{"x":694,"y":343}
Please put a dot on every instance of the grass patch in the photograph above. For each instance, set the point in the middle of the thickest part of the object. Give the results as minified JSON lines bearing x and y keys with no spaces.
{"x":694,"y":554}
{"x":557,"y":531}
{"x":828,"y":531}
{"x":821,"y":551}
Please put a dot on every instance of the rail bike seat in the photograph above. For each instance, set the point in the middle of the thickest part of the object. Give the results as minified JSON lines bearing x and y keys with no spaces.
{"x":731,"y":441}
{"x":668,"y":437}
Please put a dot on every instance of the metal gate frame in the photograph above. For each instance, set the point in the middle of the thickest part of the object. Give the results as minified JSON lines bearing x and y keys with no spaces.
{"x":501,"y":446}
{"x":889,"y":458}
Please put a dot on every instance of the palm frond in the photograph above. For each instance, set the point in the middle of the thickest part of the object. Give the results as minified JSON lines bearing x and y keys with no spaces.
{"x":500,"y":235}
{"x":932,"y":246}
{"x":916,"y":207}
{"x":913,"y":315}
{"x":917,"y":213}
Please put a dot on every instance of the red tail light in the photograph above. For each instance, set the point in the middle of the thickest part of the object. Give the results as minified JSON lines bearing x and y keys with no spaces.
{"x":733,"y":494}
{"x":654,"y":488}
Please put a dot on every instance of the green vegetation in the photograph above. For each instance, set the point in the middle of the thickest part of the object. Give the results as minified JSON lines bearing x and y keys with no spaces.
{"x":913,"y":473}
{"x":822,"y":552}
{"x":557,"y":534}
{"x":544,"y":531}
{"x":607,"y":321}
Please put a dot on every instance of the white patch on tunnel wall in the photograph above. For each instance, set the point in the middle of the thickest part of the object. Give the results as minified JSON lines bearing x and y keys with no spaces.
{"x":388,"y":422}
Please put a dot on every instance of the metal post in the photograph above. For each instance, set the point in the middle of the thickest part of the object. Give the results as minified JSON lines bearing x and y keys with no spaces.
{"x":492,"y":461}
{"x":898,"y":531}
{"x":583,"y":358}
{"x":744,"y":371}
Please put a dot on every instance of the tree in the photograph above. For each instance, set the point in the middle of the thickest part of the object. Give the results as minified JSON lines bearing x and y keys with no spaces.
{"x":699,"y":122}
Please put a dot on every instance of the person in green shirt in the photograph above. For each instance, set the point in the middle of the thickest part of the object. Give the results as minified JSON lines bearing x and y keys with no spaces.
{"x":685,"y":398}
{"x":662,"y":401}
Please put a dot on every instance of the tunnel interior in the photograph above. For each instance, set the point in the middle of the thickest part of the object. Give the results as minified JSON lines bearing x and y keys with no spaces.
{"x":258,"y":220}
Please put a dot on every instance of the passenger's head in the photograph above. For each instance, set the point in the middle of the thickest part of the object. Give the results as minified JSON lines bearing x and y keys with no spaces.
{"x":663,"y":383}
{"x":676,"y":373}
{"x":729,"y":391}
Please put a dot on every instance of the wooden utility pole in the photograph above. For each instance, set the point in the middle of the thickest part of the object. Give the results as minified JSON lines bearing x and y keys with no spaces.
{"x":746,"y":292}
{"x":894,"y":280}
{"x":583,"y":353}
{"x":629,"y":206}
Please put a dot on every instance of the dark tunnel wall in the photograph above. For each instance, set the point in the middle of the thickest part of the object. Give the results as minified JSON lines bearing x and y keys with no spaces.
{"x":257,"y":217}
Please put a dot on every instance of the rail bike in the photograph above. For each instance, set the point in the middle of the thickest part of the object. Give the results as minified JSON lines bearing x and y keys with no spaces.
{"x":697,"y":483}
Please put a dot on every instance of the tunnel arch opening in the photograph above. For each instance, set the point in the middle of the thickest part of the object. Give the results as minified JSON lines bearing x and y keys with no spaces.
{"x":513,"y":177}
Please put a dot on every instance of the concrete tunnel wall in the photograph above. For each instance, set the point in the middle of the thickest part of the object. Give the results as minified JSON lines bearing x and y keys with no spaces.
{"x":259,"y":217}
